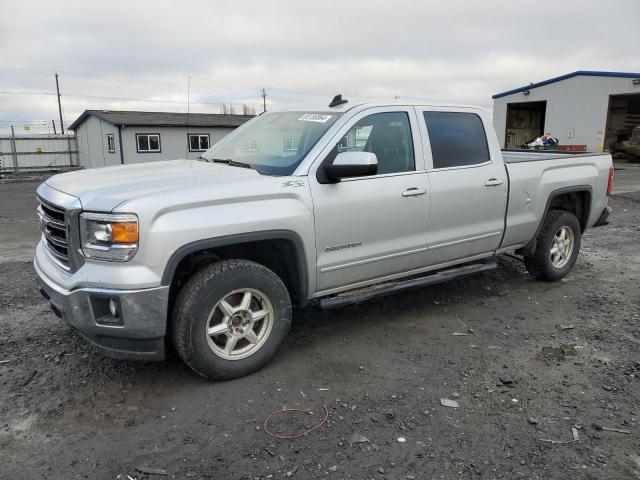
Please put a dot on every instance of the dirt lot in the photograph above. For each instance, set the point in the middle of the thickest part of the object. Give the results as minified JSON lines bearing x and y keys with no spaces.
{"x":535,"y":360}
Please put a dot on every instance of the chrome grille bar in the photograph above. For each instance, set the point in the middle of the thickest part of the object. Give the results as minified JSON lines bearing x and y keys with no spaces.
{"x":53,"y":223}
{"x":49,"y":219}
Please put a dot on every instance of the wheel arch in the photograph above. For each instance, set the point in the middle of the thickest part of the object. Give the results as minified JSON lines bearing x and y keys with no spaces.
{"x":279,"y":250}
{"x":575,"y":199}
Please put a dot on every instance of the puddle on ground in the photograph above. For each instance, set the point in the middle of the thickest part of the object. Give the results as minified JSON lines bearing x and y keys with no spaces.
{"x":561,"y":352}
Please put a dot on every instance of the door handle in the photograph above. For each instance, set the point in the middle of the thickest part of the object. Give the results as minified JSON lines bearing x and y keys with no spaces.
{"x":412,"y":192}
{"x":494,"y":182}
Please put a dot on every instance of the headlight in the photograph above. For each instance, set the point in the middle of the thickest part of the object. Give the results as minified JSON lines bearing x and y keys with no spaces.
{"x":107,"y":236}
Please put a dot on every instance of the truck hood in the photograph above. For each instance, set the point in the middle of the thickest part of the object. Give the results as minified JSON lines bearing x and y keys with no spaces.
{"x":102,"y":189}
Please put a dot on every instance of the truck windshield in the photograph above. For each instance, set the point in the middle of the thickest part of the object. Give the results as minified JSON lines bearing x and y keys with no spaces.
{"x":273,"y":143}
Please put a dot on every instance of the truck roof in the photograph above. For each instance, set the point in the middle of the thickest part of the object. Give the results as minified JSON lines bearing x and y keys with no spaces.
{"x":361,"y":105}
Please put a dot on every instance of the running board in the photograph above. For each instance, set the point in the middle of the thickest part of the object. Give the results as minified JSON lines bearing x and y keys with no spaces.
{"x":366,"y":293}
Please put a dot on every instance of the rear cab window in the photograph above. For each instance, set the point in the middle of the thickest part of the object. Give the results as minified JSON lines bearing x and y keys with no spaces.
{"x":458,"y":139}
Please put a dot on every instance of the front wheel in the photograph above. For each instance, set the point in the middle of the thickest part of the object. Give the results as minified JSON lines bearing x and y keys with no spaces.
{"x":230,"y":319}
{"x":557,"y":247}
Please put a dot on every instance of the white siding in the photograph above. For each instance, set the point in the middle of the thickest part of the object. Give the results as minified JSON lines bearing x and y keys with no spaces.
{"x":92,"y":143}
{"x":579,"y":103}
{"x":173,"y":142}
{"x":94,"y":152}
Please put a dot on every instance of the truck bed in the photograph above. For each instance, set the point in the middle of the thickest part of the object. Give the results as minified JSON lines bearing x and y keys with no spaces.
{"x":535,"y":177}
{"x":517,"y":156}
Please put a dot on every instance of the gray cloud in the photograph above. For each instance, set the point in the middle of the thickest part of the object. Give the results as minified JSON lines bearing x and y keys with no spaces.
{"x":460,"y":51}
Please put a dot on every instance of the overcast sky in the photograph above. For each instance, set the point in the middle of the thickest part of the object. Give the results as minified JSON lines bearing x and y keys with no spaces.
{"x":141,"y":53}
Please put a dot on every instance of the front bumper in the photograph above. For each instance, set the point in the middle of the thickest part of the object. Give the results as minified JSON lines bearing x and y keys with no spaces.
{"x":138,"y":331}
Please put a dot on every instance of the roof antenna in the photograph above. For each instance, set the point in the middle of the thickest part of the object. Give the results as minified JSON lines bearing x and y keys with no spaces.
{"x":337,"y":100}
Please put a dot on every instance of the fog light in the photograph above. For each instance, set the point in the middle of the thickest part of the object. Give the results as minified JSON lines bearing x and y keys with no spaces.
{"x":113,"y":308}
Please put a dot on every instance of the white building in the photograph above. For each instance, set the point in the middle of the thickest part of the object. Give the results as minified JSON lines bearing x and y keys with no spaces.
{"x":585,"y":111}
{"x":107,"y":137}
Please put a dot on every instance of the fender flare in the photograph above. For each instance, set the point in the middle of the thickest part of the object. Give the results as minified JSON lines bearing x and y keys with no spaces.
{"x":240,"y":238}
{"x":560,"y":191}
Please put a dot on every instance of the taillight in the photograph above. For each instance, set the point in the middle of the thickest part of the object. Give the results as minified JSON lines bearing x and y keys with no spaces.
{"x":610,"y":183}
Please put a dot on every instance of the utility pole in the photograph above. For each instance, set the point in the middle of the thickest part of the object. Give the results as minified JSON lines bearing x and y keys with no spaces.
{"x":62,"y":123}
{"x":53,"y":123}
{"x":264,"y":100}
{"x":188,"y":111}
{"x":14,"y":150}
{"x":59,"y":106}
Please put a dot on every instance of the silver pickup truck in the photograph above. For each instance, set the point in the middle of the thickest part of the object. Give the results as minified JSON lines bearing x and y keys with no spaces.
{"x":324,"y":204}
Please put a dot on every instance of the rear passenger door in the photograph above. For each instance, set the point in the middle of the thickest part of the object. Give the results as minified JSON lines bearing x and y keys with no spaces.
{"x":468,"y":186}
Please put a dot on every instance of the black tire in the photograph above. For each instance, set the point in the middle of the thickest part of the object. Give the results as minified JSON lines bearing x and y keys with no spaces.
{"x":201,"y":294}
{"x":539,"y":264}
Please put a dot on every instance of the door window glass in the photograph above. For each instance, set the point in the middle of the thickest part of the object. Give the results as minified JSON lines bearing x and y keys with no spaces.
{"x":388,"y":135}
{"x":457,"y":139}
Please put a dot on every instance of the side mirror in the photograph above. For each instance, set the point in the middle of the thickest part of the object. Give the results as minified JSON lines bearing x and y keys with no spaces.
{"x":352,"y":164}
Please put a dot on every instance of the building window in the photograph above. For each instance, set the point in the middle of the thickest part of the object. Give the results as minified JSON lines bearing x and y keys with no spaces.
{"x":111,"y":143}
{"x":291,"y":144}
{"x":250,"y":145}
{"x":148,"y":142}
{"x":198,"y":142}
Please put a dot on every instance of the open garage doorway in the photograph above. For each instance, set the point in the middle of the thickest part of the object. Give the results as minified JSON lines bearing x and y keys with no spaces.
{"x":622,"y":134}
{"x":525,"y":122}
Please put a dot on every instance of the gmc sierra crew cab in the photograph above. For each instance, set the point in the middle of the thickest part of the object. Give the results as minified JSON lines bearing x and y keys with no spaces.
{"x":326,"y":204}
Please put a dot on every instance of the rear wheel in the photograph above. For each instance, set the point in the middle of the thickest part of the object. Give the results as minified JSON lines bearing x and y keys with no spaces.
{"x":230,"y":319}
{"x":557,"y":247}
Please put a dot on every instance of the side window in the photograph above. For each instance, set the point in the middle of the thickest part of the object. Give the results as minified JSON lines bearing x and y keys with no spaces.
{"x":198,"y":142}
{"x":250,"y":145}
{"x":457,"y":139}
{"x":111,"y":144}
{"x":388,"y":135}
{"x":291,"y":144}
{"x":148,"y":142}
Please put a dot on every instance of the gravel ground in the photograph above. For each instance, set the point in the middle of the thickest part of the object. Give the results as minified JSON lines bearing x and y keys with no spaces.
{"x":541,"y":373}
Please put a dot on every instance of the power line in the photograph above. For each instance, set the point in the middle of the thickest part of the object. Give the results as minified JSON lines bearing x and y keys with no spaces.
{"x":137,"y":80}
{"x":101,"y":97}
{"x":7,"y":92}
{"x":25,"y":121}
{"x":124,"y":79}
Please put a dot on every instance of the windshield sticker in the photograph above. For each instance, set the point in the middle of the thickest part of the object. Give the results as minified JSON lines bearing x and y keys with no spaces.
{"x":315,"y":117}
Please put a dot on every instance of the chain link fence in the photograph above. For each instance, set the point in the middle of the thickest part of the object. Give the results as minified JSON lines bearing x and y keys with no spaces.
{"x":32,"y":153}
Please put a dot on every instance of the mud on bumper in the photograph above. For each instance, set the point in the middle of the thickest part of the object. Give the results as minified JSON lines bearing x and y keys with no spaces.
{"x":137,"y":332}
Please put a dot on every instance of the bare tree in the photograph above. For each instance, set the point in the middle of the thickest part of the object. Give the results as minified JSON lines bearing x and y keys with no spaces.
{"x":248,"y":110}
{"x":227,"y":109}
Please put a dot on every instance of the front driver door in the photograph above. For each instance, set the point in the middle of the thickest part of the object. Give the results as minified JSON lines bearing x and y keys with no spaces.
{"x":375,"y":226}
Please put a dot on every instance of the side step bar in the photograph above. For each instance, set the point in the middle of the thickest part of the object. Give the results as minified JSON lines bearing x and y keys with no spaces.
{"x":366,"y":293}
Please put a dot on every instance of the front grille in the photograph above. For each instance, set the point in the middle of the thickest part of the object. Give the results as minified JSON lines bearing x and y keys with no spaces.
{"x":54,"y":225}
